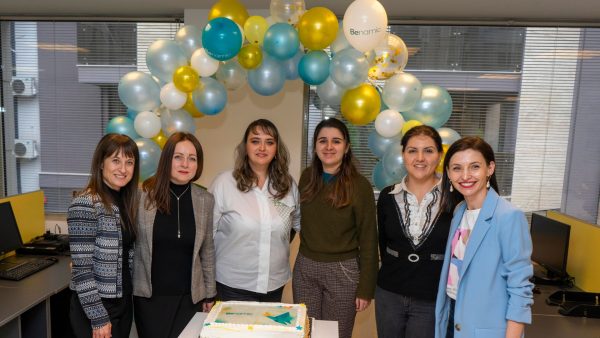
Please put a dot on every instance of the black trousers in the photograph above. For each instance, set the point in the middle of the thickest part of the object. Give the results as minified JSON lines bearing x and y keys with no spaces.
{"x":227,"y":293}
{"x":120,"y":312}
{"x":163,"y":316}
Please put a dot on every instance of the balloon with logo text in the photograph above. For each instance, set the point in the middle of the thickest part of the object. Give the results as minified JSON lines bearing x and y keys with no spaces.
{"x":222,"y":38}
{"x":365,"y":24}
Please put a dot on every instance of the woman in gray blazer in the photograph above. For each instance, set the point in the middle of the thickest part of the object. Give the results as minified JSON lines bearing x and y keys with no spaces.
{"x":174,"y":266}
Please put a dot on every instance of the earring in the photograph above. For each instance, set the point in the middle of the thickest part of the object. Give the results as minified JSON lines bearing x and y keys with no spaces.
{"x":451,"y":187}
{"x":487,"y":185}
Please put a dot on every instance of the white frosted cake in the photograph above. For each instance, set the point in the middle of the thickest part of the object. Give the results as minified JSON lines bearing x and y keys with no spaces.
{"x":236,"y":319}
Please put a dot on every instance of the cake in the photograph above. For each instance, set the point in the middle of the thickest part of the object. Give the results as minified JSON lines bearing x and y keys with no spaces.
{"x":236,"y":319}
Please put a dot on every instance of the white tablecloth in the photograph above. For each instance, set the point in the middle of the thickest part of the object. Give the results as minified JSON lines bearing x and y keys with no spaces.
{"x":320,"y":329}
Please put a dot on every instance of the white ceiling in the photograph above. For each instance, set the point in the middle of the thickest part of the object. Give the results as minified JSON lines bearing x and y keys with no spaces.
{"x":519,"y":10}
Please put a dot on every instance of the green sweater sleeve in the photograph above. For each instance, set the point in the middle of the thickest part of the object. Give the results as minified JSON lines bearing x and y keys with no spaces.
{"x":364,"y":210}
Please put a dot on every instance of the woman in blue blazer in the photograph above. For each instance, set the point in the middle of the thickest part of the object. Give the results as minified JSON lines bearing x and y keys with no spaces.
{"x":484,"y":288}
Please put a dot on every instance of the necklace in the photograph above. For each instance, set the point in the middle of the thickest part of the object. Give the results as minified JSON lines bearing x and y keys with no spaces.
{"x":177,"y":198}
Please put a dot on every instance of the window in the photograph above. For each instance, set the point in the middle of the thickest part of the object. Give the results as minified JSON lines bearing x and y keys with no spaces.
{"x":69,"y":72}
{"x":526,"y":90}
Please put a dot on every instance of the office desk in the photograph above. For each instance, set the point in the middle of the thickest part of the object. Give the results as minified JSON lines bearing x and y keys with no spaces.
{"x":320,"y":329}
{"x":548,"y":323}
{"x":25,"y":305}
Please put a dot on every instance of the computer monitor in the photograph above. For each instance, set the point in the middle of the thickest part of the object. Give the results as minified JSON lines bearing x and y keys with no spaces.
{"x":10,"y":237}
{"x":550,"y":245}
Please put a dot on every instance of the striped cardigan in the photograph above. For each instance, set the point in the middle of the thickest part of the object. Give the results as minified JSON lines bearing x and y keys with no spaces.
{"x":97,"y":255}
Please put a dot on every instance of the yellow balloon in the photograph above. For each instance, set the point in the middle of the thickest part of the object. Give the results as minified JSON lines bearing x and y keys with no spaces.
{"x":250,"y":56}
{"x":160,"y":139}
{"x":231,"y":9}
{"x":317,"y":28}
{"x":440,"y":168}
{"x":186,"y":79}
{"x":190,"y":107}
{"x":361,"y":104}
{"x":255,"y":29}
{"x":408,"y":125}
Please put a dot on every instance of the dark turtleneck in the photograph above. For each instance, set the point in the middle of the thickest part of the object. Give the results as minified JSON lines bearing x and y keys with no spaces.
{"x":170,"y":253}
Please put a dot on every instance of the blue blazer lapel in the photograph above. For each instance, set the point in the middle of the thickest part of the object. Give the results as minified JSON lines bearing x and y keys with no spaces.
{"x":482,"y":226}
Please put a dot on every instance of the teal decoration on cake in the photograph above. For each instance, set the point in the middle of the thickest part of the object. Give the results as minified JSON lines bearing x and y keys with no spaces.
{"x":299,"y":328}
{"x":284,"y":318}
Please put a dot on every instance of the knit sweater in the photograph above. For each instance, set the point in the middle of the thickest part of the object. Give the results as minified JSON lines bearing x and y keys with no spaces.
{"x":330,"y":234}
{"x":418,"y":278}
{"x":97,"y":255}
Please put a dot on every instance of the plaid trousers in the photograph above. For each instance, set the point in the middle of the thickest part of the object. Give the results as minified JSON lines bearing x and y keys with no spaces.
{"x":328,"y":289}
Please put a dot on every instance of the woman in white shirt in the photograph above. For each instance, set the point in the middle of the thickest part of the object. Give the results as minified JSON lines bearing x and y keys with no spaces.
{"x":256,"y":206}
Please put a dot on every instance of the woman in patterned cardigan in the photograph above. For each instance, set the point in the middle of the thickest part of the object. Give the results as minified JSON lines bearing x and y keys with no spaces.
{"x":101,"y":234}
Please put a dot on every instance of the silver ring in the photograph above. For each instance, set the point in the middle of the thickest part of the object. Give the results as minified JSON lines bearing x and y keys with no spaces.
{"x":413,"y":258}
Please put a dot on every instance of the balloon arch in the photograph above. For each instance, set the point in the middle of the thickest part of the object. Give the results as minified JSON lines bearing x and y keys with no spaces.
{"x":191,"y":74}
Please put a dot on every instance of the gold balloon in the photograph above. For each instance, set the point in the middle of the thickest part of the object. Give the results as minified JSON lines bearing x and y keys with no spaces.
{"x":190,"y":107}
{"x":250,"y":56}
{"x":408,"y":125}
{"x":255,"y":29}
{"x":440,"y":168}
{"x":160,"y":139}
{"x":186,"y":79}
{"x":317,"y":28}
{"x":361,"y":104}
{"x":231,"y":9}
{"x":389,"y":58}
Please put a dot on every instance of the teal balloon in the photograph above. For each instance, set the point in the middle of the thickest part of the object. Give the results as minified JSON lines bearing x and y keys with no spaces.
{"x":393,"y":163}
{"x":281,"y":41}
{"x":379,"y":144}
{"x":268,"y":78}
{"x":138,"y":91}
{"x":433,"y":108}
{"x":222,"y":38}
{"x":330,"y":93}
{"x":314,"y":67}
{"x":176,"y":120}
{"x":231,"y":74}
{"x":163,"y":58}
{"x":211,"y":96}
{"x":189,"y":38}
{"x":290,"y":66}
{"x":380,"y":178}
{"x":121,"y":125}
{"x":349,"y":68}
{"x":149,"y":156}
{"x":131,"y":114}
{"x":448,"y":135}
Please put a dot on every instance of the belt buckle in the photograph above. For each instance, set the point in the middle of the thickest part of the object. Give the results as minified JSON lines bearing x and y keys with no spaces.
{"x":413,"y":258}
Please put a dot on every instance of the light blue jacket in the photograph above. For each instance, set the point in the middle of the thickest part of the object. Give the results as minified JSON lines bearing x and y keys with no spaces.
{"x":494,"y":278}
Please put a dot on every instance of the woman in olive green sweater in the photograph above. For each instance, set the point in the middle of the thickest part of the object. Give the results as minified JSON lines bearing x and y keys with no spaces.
{"x":336,"y":269}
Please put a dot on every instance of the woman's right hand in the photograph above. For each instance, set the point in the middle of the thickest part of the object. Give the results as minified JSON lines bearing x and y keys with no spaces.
{"x":103,"y":332}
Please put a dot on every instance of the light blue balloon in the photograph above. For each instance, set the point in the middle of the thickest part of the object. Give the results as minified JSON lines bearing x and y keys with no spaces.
{"x":177,"y":120}
{"x":189,"y":38}
{"x":222,"y":38}
{"x":349,"y":68}
{"x":232,"y":75}
{"x":340,"y":43}
{"x":380,"y":178}
{"x":121,"y":125}
{"x":268,"y":78}
{"x":330,"y":93}
{"x":379,"y":144}
{"x":149,"y":156}
{"x":291,"y":65}
{"x":402,"y":91}
{"x":281,"y":41}
{"x":433,"y":108}
{"x":211,"y":96}
{"x":448,"y":135}
{"x":139,"y":92}
{"x":314,"y":67}
{"x":393,"y":163}
{"x":163,"y":58}
{"x":131,"y":114}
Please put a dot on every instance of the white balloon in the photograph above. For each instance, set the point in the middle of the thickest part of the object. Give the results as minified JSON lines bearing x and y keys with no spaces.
{"x":365,"y":24}
{"x":171,"y":97}
{"x":389,"y":123}
{"x":147,"y":124}
{"x":204,"y":64}
{"x":401,"y":92}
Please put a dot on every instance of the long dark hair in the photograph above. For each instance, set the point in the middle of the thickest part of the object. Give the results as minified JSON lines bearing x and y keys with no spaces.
{"x":157,"y":186}
{"x":341,"y":192}
{"x":109,"y":145}
{"x":280,"y":180}
{"x":451,"y":198}
{"x":425,"y":131}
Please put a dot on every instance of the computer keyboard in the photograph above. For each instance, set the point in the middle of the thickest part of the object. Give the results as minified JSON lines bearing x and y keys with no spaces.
{"x":27,"y":268}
